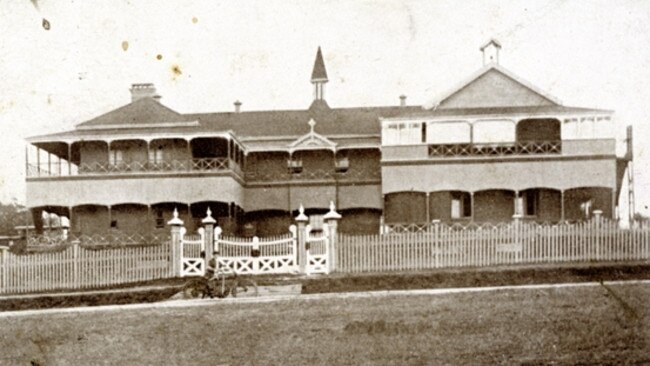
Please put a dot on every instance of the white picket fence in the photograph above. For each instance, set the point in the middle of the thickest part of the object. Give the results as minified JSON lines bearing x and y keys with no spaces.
{"x":192,"y":263}
{"x":76,"y":267}
{"x":442,"y":246}
{"x":269,"y":255}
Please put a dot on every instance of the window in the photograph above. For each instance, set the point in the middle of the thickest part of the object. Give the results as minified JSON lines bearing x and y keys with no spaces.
{"x":115,"y":156}
{"x":461,"y":205}
{"x":527,"y":204}
{"x":494,"y":131}
{"x":448,"y":132}
{"x":342,"y":165}
{"x":156,"y":154}
{"x":403,"y":133}
{"x":113,"y":224}
{"x":160,"y":221}
{"x":295,"y":166}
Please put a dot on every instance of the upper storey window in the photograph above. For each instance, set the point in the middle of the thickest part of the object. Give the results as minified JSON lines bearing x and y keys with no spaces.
{"x":494,"y":131}
{"x":403,"y":133}
{"x":115,"y":156}
{"x":448,"y":132}
{"x":588,"y":128}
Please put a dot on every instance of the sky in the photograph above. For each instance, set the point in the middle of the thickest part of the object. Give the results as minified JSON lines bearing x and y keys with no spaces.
{"x":204,"y":55}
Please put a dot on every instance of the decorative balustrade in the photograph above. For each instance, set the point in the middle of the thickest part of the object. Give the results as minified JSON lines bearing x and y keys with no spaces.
{"x":134,"y":167}
{"x":312,"y":175}
{"x":496,"y":149}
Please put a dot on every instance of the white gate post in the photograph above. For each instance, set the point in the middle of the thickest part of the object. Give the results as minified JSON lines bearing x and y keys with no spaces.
{"x":176,"y":224}
{"x":332,"y":218}
{"x":208,"y":240}
{"x":302,"y":220}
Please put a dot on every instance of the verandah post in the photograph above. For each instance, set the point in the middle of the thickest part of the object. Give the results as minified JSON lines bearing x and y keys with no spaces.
{"x":301,"y":221}
{"x":175,"y":249}
{"x":332,"y":218}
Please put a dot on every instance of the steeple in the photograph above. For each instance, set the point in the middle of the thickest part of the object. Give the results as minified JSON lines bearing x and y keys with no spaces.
{"x":319,"y":76}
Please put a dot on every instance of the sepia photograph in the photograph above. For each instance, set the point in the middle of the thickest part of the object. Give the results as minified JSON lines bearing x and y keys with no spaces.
{"x":324,"y":182}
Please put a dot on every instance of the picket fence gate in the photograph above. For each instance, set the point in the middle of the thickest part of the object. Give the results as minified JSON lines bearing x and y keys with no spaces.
{"x":270,"y":255}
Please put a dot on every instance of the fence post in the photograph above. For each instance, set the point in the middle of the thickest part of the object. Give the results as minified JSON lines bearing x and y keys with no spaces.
{"x":302,"y":220}
{"x":516,"y":225}
{"x":208,"y":225}
{"x":176,"y":224}
{"x":596,"y":225}
{"x":5,"y":270}
{"x":332,"y":218}
{"x":75,"y":264}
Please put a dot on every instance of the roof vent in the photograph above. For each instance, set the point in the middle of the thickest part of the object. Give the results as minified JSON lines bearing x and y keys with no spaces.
{"x":237,"y":106}
{"x":402,"y":100}
{"x":491,"y":52}
{"x":143,"y":90}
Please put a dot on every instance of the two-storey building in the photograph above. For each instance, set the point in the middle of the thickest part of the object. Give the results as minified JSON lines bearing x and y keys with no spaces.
{"x":490,"y":148}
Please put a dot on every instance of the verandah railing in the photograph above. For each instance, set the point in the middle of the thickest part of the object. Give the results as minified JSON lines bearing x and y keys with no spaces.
{"x":496,"y":149}
{"x":442,"y":246}
{"x":133,"y":167}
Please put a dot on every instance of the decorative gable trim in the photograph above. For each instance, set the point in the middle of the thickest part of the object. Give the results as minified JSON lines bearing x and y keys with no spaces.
{"x":485,"y":69}
{"x":312,"y":141}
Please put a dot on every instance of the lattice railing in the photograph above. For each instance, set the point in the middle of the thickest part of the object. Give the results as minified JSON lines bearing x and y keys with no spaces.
{"x":320,"y":174}
{"x":135,"y":167}
{"x":496,"y":149}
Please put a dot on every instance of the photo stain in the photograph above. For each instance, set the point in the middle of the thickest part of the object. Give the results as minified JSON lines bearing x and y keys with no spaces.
{"x":159,"y":57}
{"x":195,"y":20}
{"x":125,"y":45}
{"x":46,"y":24}
{"x":176,"y":70}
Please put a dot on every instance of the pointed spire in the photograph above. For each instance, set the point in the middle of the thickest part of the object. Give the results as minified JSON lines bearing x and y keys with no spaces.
{"x":319,"y":74}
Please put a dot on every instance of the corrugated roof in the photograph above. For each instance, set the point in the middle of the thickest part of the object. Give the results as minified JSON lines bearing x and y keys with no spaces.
{"x":142,"y":111}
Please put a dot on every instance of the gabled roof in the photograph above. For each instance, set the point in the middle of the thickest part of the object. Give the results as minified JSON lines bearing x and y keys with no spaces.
{"x":312,"y":141}
{"x":319,"y":74}
{"x":493,"y":86}
{"x":141,"y":112}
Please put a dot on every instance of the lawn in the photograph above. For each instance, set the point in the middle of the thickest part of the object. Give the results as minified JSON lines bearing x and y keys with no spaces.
{"x":561,"y":326}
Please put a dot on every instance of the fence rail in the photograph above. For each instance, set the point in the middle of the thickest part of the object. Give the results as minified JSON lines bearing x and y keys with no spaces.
{"x":76,"y":267}
{"x":442,"y":246}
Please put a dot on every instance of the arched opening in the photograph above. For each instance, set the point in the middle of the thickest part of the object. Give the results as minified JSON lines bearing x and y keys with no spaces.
{"x":168,"y":154}
{"x":405,"y":208}
{"x":540,"y":204}
{"x":495,"y":205}
{"x":90,"y":219}
{"x":360,"y":221}
{"x":267,"y":223}
{"x":267,"y":166}
{"x":539,"y":129}
{"x":450,"y":205}
{"x":162,"y":212}
{"x":580,"y":203}
{"x":225,"y":213}
{"x":130,"y":218}
{"x":209,"y":147}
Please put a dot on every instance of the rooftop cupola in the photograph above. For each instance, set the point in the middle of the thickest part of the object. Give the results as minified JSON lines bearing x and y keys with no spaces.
{"x":491,"y":52}
{"x":143,"y":90}
{"x":319,"y":76}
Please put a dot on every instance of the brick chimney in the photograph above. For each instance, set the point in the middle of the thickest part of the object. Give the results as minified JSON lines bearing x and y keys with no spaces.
{"x":237,"y":106}
{"x":143,"y":90}
{"x":402,"y":100}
